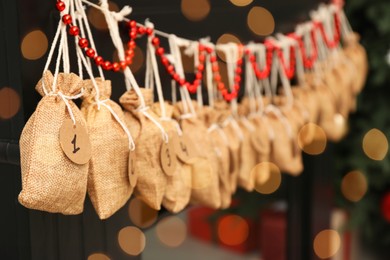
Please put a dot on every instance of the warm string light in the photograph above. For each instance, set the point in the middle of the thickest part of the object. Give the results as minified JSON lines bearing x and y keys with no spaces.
{"x":136,"y":30}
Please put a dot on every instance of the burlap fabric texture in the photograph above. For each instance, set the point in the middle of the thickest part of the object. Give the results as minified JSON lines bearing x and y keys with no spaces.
{"x":152,"y":181}
{"x":108,"y":181}
{"x":50,"y":181}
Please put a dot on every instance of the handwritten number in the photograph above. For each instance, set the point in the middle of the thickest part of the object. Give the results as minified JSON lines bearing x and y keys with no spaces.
{"x":169,"y":157}
{"x":75,"y":148}
{"x":184,"y":148}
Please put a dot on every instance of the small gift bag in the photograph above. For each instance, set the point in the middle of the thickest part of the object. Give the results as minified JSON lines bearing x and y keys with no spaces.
{"x":108,"y":181}
{"x":144,"y":126}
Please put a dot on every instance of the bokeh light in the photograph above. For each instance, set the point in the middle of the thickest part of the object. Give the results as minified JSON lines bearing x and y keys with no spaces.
{"x":354,"y":186}
{"x":195,"y":10}
{"x":171,"y":231}
{"x":327,"y":243}
{"x":141,"y":214}
{"x":267,"y":178}
{"x":9,"y":103}
{"x":98,"y":256}
{"x":241,"y":2}
{"x":226,"y":38}
{"x":131,"y":240}
{"x":317,"y":144}
{"x":233,"y":230}
{"x":375,"y":144}
{"x":96,"y":17}
{"x":34,"y":45}
{"x":260,"y":21}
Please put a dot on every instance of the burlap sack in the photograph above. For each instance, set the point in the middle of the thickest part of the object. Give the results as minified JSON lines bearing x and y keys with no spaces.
{"x":108,"y":180}
{"x":248,"y":155}
{"x":178,"y":191}
{"x":152,"y":180}
{"x":358,"y":56}
{"x":220,"y":143}
{"x":330,"y":120}
{"x":205,"y":180}
{"x":234,"y":135}
{"x":343,"y":88}
{"x":285,"y":152}
{"x":50,"y":181}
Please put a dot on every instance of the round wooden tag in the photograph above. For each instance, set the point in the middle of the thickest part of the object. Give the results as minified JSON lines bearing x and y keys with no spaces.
{"x":168,"y":158}
{"x":132,"y":176}
{"x":185,"y":149}
{"x":75,"y":142}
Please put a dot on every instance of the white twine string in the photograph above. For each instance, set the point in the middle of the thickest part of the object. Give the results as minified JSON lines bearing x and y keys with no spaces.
{"x":276,"y":111}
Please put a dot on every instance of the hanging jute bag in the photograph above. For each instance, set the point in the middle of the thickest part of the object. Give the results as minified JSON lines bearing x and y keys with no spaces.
{"x":50,"y":180}
{"x":205,"y":179}
{"x":152,"y":180}
{"x":108,"y":181}
{"x":178,"y":190}
{"x":220,"y":143}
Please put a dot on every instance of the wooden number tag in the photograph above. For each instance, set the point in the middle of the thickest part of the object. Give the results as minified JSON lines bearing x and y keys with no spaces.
{"x":132,"y":176}
{"x":75,"y":142}
{"x":168,"y":158}
{"x":185,"y":149}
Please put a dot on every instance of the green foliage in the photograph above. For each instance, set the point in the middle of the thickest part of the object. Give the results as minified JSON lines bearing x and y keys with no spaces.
{"x":371,"y":19}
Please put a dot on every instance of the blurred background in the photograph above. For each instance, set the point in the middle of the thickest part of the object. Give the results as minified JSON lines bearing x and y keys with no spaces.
{"x":339,"y":208}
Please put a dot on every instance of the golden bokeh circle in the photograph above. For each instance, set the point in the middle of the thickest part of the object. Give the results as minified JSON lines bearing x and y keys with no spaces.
{"x":354,"y":186}
{"x":171,"y":231}
{"x":96,"y":17}
{"x":195,"y":10}
{"x":375,"y":144}
{"x":226,"y":38}
{"x":327,"y":243}
{"x":9,"y":103}
{"x":312,"y":139}
{"x":260,"y":21}
{"x":98,"y":256}
{"x":267,"y":178}
{"x":141,"y":214}
{"x":241,"y":2}
{"x":233,"y":230}
{"x":131,"y":240}
{"x":34,"y":45}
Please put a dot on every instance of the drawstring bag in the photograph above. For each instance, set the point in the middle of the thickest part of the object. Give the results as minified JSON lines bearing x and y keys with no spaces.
{"x":178,"y":189}
{"x":152,"y":179}
{"x":220,"y":143}
{"x":205,"y":180}
{"x":248,"y":154}
{"x":108,"y":181}
{"x":51,"y":181}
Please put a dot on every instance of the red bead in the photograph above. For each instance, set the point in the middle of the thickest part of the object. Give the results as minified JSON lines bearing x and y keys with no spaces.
{"x":165,"y":61}
{"x":130,"y":53}
{"x":83,"y":43}
{"x":236,"y":87}
{"x":160,"y":51}
{"x":196,"y":82}
{"x":221,"y":86}
{"x":149,"y":31}
{"x":67,"y":19}
{"x":215,"y":68}
{"x":99,"y":60}
{"x":199,"y":75}
{"x":239,"y":61}
{"x":202,"y":58}
{"x":237,"y":79}
{"x":128,"y":60}
{"x":155,"y":41}
{"x":116,"y":67}
{"x":132,"y":24}
{"x":192,"y":89}
{"x":238,"y":70}
{"x":131,"y":44}
{"x":213,"y":59}
{"x":90,"y":52}
{"x":60,"y":6}
{"x":247,"y":52}
{"x":170,"y":69}
{"x":200,"y":67}
{"x":217,"y":77}
{"x":252,"y":58}
{"x":209,"y":50}
{"x":107,"y":65}
{"x":228,"y":97}
{"x":182,"y":82}
{"x":176,"y":77}
{"x":133,"y":34}
{"x":201,"y":47}
{"x":224,"y":92}
{"x":141,"y":30}
{"x":123,"y":64}
{"x":74,"y":30}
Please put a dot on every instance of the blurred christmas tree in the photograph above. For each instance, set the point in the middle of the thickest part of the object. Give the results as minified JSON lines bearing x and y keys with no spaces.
{"x":369,"y":127}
